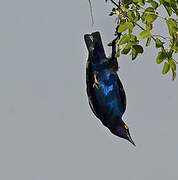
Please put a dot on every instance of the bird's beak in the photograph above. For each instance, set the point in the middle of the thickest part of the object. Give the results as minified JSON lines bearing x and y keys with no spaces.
{"x":130,"y":139}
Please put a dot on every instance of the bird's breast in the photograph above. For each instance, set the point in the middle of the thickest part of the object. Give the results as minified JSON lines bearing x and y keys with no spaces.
{"x":105,"y":96}
{"x":106,"y":83}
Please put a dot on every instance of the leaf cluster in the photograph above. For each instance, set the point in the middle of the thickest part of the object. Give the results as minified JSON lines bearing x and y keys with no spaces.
{"x":143,"y":14}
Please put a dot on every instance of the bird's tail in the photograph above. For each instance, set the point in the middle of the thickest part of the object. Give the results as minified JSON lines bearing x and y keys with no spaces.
{"x":94,"y":43}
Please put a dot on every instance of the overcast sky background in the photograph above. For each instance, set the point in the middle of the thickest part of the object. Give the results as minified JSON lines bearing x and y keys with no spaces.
{"x":47,"y":130}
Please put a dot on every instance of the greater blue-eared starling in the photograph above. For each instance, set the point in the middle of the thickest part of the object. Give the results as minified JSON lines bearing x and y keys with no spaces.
{"x":105,"y":91}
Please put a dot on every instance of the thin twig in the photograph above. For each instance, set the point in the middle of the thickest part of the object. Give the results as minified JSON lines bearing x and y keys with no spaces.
{"x":91,"y":12}
{"x":165,"y":38}
{"x":154,"y":13}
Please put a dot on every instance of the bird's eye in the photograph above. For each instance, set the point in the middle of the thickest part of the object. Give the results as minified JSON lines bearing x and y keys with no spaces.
{"x":126,"y":127}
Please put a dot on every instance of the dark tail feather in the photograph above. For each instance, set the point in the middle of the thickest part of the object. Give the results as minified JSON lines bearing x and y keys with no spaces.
{"x":93,"y":41}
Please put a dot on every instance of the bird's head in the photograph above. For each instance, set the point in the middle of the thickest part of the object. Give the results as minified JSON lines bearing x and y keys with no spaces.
{"x":122,"y":131}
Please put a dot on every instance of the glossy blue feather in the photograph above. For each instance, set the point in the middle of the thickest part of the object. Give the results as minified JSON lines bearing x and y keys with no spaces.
{"x":104,"y":89}
{"x":108,"y":104}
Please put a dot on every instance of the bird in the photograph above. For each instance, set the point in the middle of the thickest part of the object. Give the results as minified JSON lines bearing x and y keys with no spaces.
{"x":106,"y":95}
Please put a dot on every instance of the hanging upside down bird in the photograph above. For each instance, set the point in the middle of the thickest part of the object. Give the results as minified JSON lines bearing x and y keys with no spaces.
{"x":105,"y":92}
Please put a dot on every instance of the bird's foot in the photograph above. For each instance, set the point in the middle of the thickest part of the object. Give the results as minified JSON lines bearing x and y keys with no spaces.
{"x":96,"y":83}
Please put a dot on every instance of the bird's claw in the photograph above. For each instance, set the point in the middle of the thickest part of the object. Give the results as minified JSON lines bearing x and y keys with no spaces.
{"x":96,"y":83}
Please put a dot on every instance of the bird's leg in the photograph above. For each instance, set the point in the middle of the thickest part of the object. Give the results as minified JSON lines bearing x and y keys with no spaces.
{"x":114,"y":42}
{"x":113,"y":49}
{"x":113,"y":60}
{"x":96,"y":83}
{"x":119,"y":3}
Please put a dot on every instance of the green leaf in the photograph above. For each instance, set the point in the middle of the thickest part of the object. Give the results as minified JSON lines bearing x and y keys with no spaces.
{"x":122,"y":27}
{"x":161,"y":1}
{"x":126,"y":49}
{"x":138,"y":48}
{"x":126,"y":3}
{"x":169,"y":1}
{"x":172,"y":26}
{"x":144,"y":34}
{"x":159,"y":43}
{"x":174,"y":44}
{"x":151,"y":18}
{"x":124,"y":39}
{"x":174,"y":6}
{"x":130,"y":26}
{"x":172,"y":64}
{"x":133,"y":40}
{"x":168,"y":8}
{"x":149,"y":15}
{"x":148,"y":41}
{"x":165,"y":68}
{"x":141,"y":2}
{"x":134,"y":54}
{"x":154,"y":4}
{"x":169,"y":54}
{"x":131,"y":15}
{"x":137,"y":17}
{"x":134,"y":8}
{"x":161,"y":57}
{"x":173,"y":75}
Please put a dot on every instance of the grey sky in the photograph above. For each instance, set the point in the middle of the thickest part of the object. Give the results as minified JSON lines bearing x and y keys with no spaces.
{"x":47,"y":130}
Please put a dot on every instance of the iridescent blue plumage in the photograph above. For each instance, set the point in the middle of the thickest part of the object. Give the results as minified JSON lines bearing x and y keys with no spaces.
{"x":105,"y":91}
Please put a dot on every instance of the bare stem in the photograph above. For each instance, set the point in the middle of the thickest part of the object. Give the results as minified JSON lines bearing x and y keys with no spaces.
{"x":91,"y":12}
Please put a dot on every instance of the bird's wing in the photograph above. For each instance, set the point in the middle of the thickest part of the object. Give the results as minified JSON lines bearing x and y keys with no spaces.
{"x":89,"y":90}
{"x":122,"y":93}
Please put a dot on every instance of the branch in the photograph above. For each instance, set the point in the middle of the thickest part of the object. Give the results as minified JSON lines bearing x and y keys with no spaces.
{"x":126,"y":15}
